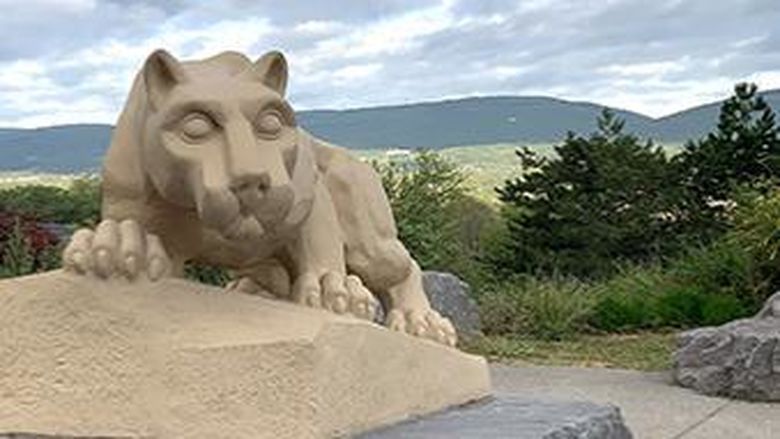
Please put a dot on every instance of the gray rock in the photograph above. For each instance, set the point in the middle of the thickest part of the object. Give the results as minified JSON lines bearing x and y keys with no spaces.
{"x":740,"y":359}
{"x":771,"y":307}
{"x":516,"y":418}
{"x":451,"y":297}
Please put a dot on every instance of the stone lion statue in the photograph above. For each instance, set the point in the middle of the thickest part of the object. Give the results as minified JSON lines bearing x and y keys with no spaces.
{"x":207,"y":164}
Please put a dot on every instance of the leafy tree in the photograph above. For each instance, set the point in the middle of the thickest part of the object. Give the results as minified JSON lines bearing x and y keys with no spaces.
{"x":602,"y":199}
{"x":743,"y":151}
{"x":426,"y":195}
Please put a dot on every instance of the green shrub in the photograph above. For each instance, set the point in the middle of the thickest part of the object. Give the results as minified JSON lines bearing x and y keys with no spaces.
{"x":704,"y":286}
{"x":621,"y":313}
{"x":722,"y":268}
{"x":550,"y":309}
{"x":680,"y":307}
{"x":685,"y":308}
{"x":501,"y":310}
{"x":720,"y":309}
{"x":756,"y":232}
{"x":625,"y":302}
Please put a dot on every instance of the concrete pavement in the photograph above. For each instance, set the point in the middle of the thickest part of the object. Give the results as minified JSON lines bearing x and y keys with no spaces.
{"x":651,"y":405}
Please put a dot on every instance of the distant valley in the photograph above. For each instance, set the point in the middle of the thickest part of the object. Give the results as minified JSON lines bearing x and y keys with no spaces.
{"x":435,"y":125}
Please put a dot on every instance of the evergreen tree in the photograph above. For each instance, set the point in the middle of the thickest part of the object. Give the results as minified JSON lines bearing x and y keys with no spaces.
{"x":603,"y":199}
{"x":743,"y":151}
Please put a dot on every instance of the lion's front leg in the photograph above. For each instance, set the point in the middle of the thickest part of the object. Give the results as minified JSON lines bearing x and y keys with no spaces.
{"x":320,"y":273}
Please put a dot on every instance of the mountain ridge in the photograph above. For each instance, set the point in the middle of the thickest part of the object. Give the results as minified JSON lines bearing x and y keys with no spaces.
{"x":431,"y":124}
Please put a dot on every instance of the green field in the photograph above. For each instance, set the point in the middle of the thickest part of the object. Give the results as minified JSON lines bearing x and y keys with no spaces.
{"x":10,"y":179}
{"x":486,"y":166}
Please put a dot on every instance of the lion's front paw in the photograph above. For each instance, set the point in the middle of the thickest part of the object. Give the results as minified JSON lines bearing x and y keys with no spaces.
{"x":336,"y":292}
{"x":116,"y":249}
{"x":428,"y":324}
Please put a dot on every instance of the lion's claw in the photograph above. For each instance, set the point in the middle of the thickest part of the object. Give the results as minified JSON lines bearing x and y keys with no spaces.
{"x":116,"y":250}
{"x":336,"y":292}
{"x":429,"y":324}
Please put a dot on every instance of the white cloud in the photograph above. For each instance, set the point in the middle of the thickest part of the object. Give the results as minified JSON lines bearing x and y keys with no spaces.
{"x":73,"y":60}
{"x":657,"y":68}
{"x":48,"y":5}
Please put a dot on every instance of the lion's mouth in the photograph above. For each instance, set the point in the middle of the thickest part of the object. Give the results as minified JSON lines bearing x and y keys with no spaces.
{"x":242,"y":216}
{"x":243,"y":228}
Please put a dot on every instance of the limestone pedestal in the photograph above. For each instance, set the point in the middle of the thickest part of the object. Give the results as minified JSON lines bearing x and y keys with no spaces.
{"x":175,"y":359}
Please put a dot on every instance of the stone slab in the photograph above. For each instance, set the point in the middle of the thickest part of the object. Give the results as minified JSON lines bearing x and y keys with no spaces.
{"x":175,"y":359}
{"x":740,"y":359}
{"x":516,"y":418}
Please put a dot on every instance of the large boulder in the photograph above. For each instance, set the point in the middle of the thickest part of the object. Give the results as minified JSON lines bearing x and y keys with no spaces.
{"x":740,"y":359}
{"x":452,"y":298}
{"x":82,"y":358}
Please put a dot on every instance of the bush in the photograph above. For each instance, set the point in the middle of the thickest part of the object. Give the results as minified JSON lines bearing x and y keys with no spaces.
{"x":621,"y":313}
{"x":704,"y":286}
{"x":756,"y":232}
{"x":724,"y":268}
{"x":25,"y":247}
{"x":550,"y":309}
{"x":683,"y":308}
{"x":79,"y":204}
{"x":625,"y":302}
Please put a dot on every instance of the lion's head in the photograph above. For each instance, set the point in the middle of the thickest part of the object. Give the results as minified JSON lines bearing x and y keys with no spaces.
{"x":219,"y":137}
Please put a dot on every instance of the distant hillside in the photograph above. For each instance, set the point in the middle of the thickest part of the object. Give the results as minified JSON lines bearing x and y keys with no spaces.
{"x":468,"y":121}
{"x":67,"y":148}
{"x":471,"y":121}
{"x":700,"y":120}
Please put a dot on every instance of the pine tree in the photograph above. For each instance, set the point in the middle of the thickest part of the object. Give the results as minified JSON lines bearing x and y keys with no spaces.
{"x":743,"y":151}
{"x":603,"y":199}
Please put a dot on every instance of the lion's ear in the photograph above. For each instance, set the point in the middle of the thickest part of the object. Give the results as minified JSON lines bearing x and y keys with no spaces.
{"x":161,"y":73}
{"x":271,"y":69}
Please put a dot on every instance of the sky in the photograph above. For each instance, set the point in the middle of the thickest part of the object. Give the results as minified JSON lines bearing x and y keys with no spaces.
{"x":72,"y":61}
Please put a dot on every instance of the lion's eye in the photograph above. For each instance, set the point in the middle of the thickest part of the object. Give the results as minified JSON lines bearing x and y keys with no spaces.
{"x":269,"y":124}
{"x":197,"y":126}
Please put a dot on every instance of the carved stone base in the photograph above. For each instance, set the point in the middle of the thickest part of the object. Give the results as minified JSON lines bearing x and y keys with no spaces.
{"x":174,"y":359}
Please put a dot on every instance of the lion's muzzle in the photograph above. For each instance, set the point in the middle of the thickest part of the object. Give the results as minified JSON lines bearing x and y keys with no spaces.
{"x":268,"y":204}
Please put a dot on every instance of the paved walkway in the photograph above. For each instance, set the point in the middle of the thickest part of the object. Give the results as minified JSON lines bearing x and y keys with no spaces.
{"x":651,"y":405}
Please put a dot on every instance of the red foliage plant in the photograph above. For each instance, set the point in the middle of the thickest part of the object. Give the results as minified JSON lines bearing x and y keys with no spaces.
{"x":38,"y":237}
